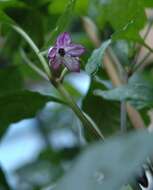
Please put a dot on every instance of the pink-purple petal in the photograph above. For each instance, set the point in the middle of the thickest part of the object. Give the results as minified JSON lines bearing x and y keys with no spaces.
{"x":75,"y":49}
{"x":52,"y":52}
{"x":72,"y":63}
{"x":63,"y":39}
{"x":55,"y":62}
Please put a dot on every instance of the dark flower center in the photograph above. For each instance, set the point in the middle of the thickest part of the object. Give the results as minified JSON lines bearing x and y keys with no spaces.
{"x":61,"y":51}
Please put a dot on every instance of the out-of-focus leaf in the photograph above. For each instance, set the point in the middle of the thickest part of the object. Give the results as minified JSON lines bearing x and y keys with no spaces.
{"x":106,"y":114}
{"x":129,"y":33}
{"x":147,"y":3}
{"x":95,"y":60}
{"x":127,"y":187}
{"x":5,"y":19}
{"x":3,"y":181}
{"x":11,"y":3}
{"x":126,"y":16}
{"x":135,"y":92}
{"x":10,"y":79}
{"x":109,"y":165}
{"x":19,"y":105}
{"x":62,"y":22}
{"x":38,"y":173}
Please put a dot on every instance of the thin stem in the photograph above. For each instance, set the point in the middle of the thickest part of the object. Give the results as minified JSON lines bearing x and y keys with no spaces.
{"x":137,"y":66}
{"x":86,"y":120}
{"x":145,"y":36}
{"x":123,"y":115}
{"x":65,"y":70}
{"x":33,"y":66}
{"x":35,"y":49}
{"x":148,"y":47}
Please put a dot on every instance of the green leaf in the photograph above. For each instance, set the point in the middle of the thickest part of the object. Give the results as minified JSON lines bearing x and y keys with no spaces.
{"x":5,"y":19}
{"x":106,"y":114}
{"x":147,"y":3}
{"x":11,"y":3}
{"x":129,"y":33}
{"x":109,"y":165}
{"x":127,"y":187}
{"x":62,"y":22}
{"x":10,"y":79}
{"x":95,"y":60}
{"x":19,"y":105}
{"x":126,"y":16}
{"x":135,"y":92}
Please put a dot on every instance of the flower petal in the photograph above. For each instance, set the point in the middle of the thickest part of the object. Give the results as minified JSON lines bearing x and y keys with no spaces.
{"x":55,"y":62}
{"x":52,"y":52}
{"x":75,"y":49}
{"x":63,"y":39}
{"x":72,"y":63}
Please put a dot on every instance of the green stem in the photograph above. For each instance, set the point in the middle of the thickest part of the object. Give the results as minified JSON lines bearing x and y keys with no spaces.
{"x":34,"y":47}
{"x":137,"y":66}
{"x":123,"y":115}
{"x":86,"y":120}
{"x":33,"y":66}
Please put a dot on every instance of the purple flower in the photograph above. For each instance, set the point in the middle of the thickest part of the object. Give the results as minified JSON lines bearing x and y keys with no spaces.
{"x":65,"y":52}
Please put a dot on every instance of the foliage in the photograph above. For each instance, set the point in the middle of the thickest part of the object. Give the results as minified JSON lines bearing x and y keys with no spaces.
{"x":118,"y":81}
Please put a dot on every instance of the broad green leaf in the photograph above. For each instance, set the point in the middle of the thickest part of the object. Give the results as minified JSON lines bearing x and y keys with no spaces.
{"x":109,"y":165}
{"x":127,"y":187}
{"x":136,"y":92}
{"x":62,"y":22}
{"x":126,"y":16}
{"x":106,"y":114}
{"x":5,"y":19}
{"x":11,"y":3}
{"x":19,"y":105}
{"x":10,"y":79}
{"x":95,"y":60}
{"x":147,"y":3}
{"x":129,"y":33}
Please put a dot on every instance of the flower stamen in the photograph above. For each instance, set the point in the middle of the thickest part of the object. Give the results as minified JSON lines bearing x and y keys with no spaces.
{"x":61,"y":51}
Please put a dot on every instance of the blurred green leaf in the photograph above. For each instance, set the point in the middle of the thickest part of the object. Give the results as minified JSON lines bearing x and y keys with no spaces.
{"x":147,"y":3}
{"x":5,"y":19}
{"x":10,"y":79}
{"x":62,"y":22}
{"x":127,"y":17}
{"x":127,"y":187}
{"x":19,"y":105}
{"x":109,"y":165}
{"x":11,"y":3}
{"x":106,"y":114}
{"x":135,"y":92}
{"x":95,"y":60}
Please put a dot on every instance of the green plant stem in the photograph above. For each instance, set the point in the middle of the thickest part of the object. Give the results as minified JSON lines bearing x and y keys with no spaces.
{"x":86,"y":120}
{"x":32,"y":65}
{"x":35,"y":49}
{"x":65,"y":70}
{"x":123,"y":116}
{"x":137,"y":66}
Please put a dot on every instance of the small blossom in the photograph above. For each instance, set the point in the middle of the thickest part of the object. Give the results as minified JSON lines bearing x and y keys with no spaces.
{"x":65,"y":52}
